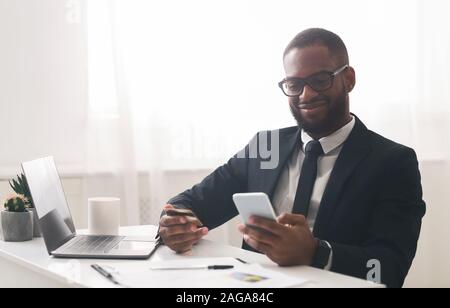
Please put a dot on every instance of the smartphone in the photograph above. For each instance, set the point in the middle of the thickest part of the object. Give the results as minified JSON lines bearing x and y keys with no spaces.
{"x":190,"y":216}
{"x":254,"y":204}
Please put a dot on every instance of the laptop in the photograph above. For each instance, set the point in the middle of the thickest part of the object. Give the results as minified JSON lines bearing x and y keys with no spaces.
{"x":58,"y":229}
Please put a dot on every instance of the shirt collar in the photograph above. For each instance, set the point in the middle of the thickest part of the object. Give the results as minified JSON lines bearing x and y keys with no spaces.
{"x":333,"y":141}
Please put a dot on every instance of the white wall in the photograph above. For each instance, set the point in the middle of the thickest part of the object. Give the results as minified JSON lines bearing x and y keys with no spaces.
{"x":42,"y":68}
{"x":431,"y":267}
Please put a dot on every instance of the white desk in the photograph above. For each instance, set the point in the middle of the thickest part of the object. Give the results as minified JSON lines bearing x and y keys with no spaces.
{"x":28,"y":265}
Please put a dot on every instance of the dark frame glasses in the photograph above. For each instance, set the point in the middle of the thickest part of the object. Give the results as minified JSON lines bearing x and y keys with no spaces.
{"x":319,"y":82}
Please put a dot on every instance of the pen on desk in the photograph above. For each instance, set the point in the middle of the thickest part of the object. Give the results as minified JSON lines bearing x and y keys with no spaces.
{"x":242,"y":261}
{"x":105,"y":273}
{"x":204,"y":267}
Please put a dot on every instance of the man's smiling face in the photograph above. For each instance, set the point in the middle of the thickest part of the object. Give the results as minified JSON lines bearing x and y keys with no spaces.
{"x":319,"y":113}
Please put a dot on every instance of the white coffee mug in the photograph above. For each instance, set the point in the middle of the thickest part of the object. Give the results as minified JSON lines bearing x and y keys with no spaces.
{"x":103,"y":216}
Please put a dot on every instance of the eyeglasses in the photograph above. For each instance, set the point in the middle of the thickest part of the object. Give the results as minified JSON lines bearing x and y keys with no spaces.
{"x":319,"y":82}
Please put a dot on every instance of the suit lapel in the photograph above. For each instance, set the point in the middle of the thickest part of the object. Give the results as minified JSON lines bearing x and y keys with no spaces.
{"x":355,"y":149}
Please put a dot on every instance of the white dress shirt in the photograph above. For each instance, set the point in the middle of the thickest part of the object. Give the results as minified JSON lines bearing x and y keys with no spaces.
{"x":286,"y":189}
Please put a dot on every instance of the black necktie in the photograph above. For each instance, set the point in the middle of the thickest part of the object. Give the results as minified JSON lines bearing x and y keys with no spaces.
{"x":307,"y":179}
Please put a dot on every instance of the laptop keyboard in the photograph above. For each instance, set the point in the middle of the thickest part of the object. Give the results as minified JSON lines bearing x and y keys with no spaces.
{"x":92,"y":244}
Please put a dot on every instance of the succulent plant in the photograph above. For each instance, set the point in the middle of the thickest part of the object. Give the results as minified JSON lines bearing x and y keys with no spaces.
{"x":20,"y":187}
{"x":17,"y":204}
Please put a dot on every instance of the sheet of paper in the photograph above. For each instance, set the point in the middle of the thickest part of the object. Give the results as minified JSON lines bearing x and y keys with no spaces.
{"x":241,"y":276}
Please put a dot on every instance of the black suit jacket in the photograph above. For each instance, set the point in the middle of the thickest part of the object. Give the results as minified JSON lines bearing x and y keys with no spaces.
{"x":372,"y":207}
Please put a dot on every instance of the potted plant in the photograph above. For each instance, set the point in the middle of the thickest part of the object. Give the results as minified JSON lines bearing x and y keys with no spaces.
{"x":17,"y":221}
{"x":20,"y":187}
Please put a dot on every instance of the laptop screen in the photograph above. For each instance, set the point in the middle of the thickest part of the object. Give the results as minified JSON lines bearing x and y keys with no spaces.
{"x":55,"y":220}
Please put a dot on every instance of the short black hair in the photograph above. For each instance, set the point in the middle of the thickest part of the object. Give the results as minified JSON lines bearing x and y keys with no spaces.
{"x":318,"y":36}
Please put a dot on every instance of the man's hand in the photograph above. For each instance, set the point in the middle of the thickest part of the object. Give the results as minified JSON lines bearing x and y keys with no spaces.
{"x":179,"y":233}
{"x":287,"y":241}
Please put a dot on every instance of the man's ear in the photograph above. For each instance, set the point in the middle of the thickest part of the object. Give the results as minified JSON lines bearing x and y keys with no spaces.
{"x":350,"y":79}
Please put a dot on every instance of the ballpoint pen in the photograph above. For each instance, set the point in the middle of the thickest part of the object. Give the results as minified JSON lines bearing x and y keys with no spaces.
{"x":195,"y":267}
{"x":159,"y":243}
{"x":242,"y":261}
{"x":157,"y":237}
{"x":105,"y":274}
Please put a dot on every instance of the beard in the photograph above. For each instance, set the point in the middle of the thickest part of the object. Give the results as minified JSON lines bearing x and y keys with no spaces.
{"x":336,"y":111}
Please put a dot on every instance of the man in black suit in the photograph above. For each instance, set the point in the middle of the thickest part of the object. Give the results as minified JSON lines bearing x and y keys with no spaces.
{"x":349,"y":200}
